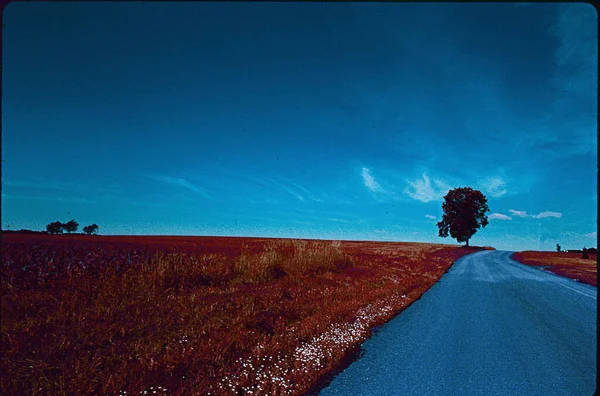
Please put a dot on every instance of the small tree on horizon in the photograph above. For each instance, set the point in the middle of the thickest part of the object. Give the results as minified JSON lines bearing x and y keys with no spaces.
{"x":557,"y":247}
{"x":56,"y":227}
{"x":585,"y":254}
{"x":71,"y":226}
{"x":464,"y":213}
{"x":91,"y":229}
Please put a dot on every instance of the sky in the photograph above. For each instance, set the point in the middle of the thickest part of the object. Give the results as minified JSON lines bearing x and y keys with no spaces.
{"x":303,"y":120}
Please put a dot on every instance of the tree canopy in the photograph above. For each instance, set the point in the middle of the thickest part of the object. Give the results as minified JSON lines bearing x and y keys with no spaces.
{"x":91,"y":229}
{"x":56,"y":227}
{"x":70,"y":226}
{"x":464,"y":213}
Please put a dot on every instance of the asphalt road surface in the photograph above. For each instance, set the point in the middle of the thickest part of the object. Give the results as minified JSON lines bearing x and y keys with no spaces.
{"x":490,"y":326}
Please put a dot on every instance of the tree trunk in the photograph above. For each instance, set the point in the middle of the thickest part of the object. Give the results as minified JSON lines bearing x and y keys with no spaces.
{"x":467,"y":243}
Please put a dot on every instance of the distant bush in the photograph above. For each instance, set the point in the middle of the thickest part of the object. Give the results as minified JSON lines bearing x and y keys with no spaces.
{"x":91,"y":229}
{"x":55,"y":227}
{"x":585,"y":254}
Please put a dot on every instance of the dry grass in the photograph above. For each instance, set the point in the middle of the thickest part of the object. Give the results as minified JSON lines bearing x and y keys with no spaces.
{"x":197,"y":315}
{"x":566,"y":264}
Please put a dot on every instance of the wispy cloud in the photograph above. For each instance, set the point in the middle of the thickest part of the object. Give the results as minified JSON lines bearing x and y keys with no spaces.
{"x":430,"y":216}
{"x":47,"y":198}
{"x":494,"y":186}
{"x":338,"y":220}
{"x":499,"y":216}
{"x":63,"y":186}
{"x":300,"y":192}
{"x":522,"y":213}
{"x":518,"y":213}
{"x":369,"y":181}
{"x":279,"y":183}
{"x":423,"y":190}
{"x":179,"y":182}
{"x":290,"y":191}
{"x":592,"y":235}
{"x":547,"y":214}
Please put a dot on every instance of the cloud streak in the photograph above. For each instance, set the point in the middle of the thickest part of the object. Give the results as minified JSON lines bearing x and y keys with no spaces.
{"x":518,"y":213}
{"x":542,"y":215}
{"x":180,"y":182}
{"x":64,"y":186}
{"x":369,"y":181}
{"x":430,"y":217}
{"x":423,"y":190}
{"x":499,"y":216}
{"x":494,"y":186}
{"x":547,"y":214}
{"x":46,"y":198}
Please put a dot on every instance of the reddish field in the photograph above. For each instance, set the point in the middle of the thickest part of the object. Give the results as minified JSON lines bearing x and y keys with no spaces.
{"x":197,"y":315}
{"x":566,"y":264}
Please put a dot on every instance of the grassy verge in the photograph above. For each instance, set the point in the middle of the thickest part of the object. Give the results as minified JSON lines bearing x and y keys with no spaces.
{"x":566,"y":264}
{"x":273,"y":317}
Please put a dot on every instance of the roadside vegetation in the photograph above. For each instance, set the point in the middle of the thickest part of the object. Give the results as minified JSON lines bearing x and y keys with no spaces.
{"x":578,"y":265}
{"x":197,"y":315}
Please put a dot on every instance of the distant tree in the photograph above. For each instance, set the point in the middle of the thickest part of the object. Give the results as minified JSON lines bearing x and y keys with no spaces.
{"x":91,"y":229}
{"x":71,"y":226}
{"x":557,"y":247}
{"x":464,"y":213}
{"x":56,"y":227}
{"x":585,"y":254}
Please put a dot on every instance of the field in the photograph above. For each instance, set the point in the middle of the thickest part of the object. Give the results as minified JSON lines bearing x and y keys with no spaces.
{"x":566,"y":264}
{"x":197,"y":315}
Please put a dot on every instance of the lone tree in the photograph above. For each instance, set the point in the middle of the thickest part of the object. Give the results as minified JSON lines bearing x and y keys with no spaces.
{"x":464,"y":212}
{"x":91,"y":229}
{"x":56,"y":227}
{"x":71,"y":226}
{"x":558,"y":247}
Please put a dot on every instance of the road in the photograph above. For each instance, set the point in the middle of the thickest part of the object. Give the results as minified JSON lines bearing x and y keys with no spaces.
{"x":490,"y":326}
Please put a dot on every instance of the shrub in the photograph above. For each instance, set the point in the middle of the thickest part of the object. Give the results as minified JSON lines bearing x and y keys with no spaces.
{"x":585,"y":254}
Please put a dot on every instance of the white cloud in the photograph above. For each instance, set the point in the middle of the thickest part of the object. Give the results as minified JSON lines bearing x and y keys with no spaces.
{"x":369,"y":181}
{"x":547,"y":214}
{"x":519,"y":213}
{"x":494,"y":186}
{"x":522,"y":213}
{"x":430,"y":217}
{"x":499,"y":216}
{"x":423,"y":191}
{"x":592,"y":235}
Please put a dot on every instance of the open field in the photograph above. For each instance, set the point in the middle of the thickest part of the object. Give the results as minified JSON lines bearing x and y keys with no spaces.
{"x":197,"y":315}
{"x":566,"y":264}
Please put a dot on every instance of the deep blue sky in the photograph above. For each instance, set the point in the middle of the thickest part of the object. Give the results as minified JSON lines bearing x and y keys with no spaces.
{"x":317,"y":120}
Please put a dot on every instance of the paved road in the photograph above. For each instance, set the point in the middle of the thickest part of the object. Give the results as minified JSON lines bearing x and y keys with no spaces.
{"x":490,"y":326}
